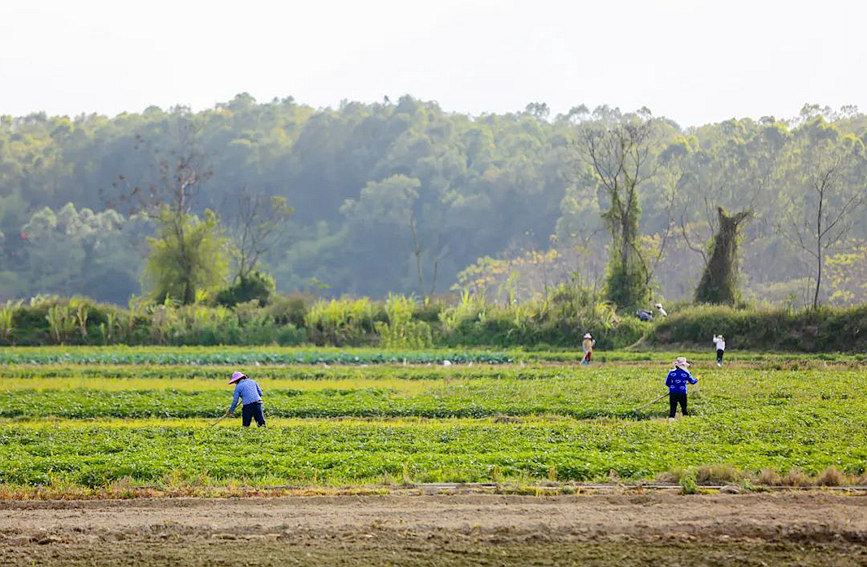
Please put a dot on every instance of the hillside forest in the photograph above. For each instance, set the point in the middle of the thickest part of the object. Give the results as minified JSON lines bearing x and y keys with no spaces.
{"x":405,"y":197}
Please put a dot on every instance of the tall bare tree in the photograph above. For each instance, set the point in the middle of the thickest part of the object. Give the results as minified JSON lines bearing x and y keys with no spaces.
{"x":619,"y":157}
{"x":187,"y":243}
{"x":254,"y":227}
{"x":823,"y":207}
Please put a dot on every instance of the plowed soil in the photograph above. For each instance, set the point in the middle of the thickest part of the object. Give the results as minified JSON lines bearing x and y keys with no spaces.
{"x":658,"y":529}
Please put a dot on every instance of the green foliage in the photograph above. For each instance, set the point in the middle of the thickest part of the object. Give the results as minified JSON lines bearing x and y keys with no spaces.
{"x":74,"y":251}
{"x":566,"y":422}
{"x":340,"y":321}
{"x":253,"y":286}
{"x":187,"y":257}
{"x":492,"y":186}
{"x":826,"y":329}
{"x":688,"y":484}
{"x":560,"y":320}
{"x":625,"y":285}
{"x":401,"y":331}
{"x":719,"y":280}
{"x":618,"y":152}
{"x":7,"y":312}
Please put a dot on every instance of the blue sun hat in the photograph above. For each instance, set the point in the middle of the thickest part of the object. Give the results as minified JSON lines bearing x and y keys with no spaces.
{"x":236,"y":377}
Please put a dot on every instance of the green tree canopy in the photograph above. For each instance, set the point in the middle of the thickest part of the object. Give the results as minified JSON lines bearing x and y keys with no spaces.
{"x":188,"y":257}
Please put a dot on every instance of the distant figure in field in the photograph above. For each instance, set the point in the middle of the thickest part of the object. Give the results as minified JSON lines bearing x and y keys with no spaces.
{"x":677,"y":380}
{"x":662,"y":312}
{"x":251,"y":395}
{"x":720,"y":344}
{"x":587,"y":345}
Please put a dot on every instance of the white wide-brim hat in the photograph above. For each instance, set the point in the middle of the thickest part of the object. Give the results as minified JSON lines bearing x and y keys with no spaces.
{"x":681,"y":362}
{"x":587,"y":336}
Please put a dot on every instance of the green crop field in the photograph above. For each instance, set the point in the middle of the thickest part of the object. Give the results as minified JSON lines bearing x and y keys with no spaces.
{"x":93,"y":417}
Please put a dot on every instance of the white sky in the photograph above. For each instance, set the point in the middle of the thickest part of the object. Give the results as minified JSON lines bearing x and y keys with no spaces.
{"x":695,"y":61}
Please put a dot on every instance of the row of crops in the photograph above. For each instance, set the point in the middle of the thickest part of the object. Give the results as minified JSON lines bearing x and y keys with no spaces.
{"x":245,"y":356}
{"x":608,"y":392}
{"x":326,"y":452}
{"x":91,"y":424}
{"x":239,"y":356}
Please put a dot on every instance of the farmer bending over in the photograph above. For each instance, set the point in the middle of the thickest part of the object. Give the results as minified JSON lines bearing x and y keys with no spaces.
{"x":677,"y":380}
{"x":250,"y":392}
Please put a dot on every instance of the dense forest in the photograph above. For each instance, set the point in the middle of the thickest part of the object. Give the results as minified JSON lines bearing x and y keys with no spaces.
{"x":406,"y":197}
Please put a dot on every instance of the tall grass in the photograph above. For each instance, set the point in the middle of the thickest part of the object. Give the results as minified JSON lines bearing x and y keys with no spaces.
{"x":6,"y":313}
{"x":401,"y":331}
{"x":341,"y":322}
{"x":559,"y":318}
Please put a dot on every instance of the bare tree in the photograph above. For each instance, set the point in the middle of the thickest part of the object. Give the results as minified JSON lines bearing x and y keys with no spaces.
{"x":820,"y":217}
{"x":179,"y":171}
{"x":441,"y":249}
{"x":179,"y":166}
{"x":619,"y":157}
{"x":254,"y":227}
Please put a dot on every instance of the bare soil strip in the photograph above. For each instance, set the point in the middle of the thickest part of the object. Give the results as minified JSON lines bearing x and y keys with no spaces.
{"x":444,"y":529}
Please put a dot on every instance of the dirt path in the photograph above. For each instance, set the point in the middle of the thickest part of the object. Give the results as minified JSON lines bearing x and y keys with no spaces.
{"x":462,"y":529}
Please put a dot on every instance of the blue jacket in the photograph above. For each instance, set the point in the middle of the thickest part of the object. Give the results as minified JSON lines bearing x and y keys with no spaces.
{"x":677,"y":380}
{"x":247,"y":390}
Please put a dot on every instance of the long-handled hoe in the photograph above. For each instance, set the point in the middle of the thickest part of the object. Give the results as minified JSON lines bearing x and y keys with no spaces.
{"x":221,"y":418}
{"x":636,"y":410}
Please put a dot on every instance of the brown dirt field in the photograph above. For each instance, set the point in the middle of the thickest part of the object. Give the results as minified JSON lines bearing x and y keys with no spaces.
{"x":653,"y":528}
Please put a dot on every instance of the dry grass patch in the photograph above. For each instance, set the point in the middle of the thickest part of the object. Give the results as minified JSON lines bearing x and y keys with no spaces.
{"x":769,"y":477}
{"x":718,"y":474}
{"x":832,"y":476}
{"x":796,"y":477}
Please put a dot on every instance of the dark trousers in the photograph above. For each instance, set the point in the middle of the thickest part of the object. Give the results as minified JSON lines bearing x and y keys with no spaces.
{"x":250,"y":411}
{"x":719,"y":355}
{"x":673,"y":400}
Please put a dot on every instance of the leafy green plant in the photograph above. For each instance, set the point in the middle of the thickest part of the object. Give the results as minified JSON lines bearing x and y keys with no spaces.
{"x":7,"y":312}
{"x":401,"y":331}
{"x":688,"y":483}
{"x":62,"y":322}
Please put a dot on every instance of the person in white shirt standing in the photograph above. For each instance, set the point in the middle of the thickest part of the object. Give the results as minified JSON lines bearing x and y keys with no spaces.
{"x":720,"y":344}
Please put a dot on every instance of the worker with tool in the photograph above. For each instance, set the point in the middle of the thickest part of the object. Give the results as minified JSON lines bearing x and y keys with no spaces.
{"x":251,"y":395}
{"x":677,"y":381}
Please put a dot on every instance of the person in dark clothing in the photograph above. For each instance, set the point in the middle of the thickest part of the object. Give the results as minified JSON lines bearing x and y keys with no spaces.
{"x":677,"y":380}
{"x":251,"y":394}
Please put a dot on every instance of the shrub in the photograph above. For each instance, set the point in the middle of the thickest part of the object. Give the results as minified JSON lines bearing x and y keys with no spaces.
{"x":254,"y":286}
{"x":834,"y":329}
{"x":688,"y":483}
{"x":289,"y":309}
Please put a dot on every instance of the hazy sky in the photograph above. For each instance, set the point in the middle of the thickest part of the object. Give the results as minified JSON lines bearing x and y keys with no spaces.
{"x":695,"y":61}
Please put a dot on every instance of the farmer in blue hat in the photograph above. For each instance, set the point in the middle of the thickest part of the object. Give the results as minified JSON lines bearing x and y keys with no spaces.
{"x":251,"y":394}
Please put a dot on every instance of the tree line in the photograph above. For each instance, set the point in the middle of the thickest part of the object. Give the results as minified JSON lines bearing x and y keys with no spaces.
{"x":367,"y":199}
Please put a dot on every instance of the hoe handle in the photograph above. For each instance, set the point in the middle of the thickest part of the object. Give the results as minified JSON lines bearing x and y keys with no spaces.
{"x":652,"y":401}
